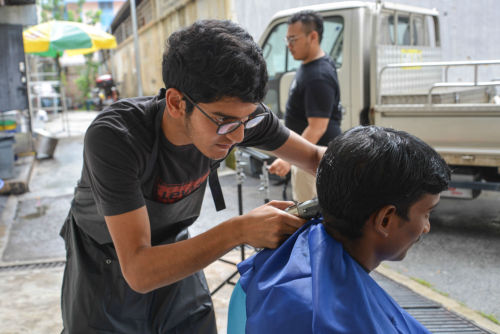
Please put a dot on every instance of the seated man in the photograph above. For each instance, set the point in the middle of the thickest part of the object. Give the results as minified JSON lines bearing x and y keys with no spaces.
{"x":376,"y":187}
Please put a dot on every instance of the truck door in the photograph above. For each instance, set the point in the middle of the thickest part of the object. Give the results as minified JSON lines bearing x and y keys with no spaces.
{"x":280,"y":63}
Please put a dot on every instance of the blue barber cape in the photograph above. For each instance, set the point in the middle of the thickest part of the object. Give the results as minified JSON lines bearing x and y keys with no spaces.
{"x":310,"y":284}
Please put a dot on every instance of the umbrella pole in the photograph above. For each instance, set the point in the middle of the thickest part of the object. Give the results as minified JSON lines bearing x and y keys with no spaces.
{"x":64,"y":112}
{"x":30,"y":102}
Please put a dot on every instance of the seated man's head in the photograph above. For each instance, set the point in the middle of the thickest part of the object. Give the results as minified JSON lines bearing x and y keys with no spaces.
{"x":215,"y":68}
{"x":376,"y":187}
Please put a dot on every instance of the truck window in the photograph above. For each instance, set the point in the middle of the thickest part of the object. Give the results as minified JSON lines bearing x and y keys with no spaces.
{"x":279,"y":59}
{"x":276,"y":54}
{"x":431,"y":25}
{"x":410,"y":30}
{"x":333,"y":38}
{"x":403,"y":30}
{"x":418,"y":31}
{"x":386,"y":33}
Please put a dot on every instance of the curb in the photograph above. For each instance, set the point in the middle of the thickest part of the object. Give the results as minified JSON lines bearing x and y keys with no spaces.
{"x":447,"y":302}
{"x":6,"y":217}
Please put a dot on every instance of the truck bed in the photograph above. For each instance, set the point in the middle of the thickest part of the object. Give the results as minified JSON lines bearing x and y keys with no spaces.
{"x":464,"y":134}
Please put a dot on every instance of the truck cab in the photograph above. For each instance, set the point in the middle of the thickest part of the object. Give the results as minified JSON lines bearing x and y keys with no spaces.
{"x":349,"y":30}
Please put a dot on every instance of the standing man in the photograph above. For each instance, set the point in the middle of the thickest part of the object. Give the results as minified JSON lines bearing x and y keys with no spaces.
{"x":312,"y":109}
{"x":131,"y":266}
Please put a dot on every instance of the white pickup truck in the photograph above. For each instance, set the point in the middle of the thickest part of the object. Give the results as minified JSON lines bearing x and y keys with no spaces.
{"x":390,"y":71}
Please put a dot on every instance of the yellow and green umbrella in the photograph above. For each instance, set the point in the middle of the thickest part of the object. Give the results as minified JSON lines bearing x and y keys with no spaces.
{"x":52,"y":38}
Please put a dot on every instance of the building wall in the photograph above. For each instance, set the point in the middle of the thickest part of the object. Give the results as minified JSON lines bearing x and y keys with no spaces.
{"x":93,"y":6}
{"x":19,"y":14}
{"x":156,"y":20}
{"x":117,"y":5}
{"x":87,"y":7}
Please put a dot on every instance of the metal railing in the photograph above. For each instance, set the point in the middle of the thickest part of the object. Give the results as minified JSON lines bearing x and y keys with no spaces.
{"x":446,"y":66}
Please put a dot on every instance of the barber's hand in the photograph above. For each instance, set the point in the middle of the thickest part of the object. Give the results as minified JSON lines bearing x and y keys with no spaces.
{"x":280,"y":167}
{"x":268,"y":225}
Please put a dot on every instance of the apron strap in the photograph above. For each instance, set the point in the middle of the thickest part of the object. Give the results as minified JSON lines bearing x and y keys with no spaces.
{"x":215,"y":188}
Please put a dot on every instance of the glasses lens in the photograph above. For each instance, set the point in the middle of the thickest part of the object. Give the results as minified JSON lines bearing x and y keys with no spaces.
{"x":254,"y":121}
{"x":228,"y":127}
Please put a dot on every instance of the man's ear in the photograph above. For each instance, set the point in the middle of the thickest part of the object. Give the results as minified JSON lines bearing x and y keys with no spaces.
{"x":383,"y":219}
{"x":314,"y":36}
{"x":175,"y":105}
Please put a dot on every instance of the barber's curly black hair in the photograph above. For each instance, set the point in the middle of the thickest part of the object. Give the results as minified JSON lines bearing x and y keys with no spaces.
{"x":370,"y":167}
{"x":212,"y":59}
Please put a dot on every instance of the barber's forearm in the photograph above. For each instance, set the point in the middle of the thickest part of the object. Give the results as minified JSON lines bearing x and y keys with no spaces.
{"x":301,"y":153}
{"x":319,"y":155}
{"x":154,"y":267}
{"x":313,"y":163}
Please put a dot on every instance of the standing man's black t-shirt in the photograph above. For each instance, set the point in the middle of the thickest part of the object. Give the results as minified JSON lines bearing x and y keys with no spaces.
{"x":315,"y":93}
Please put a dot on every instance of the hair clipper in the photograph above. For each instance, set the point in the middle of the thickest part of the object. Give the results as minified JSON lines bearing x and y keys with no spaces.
{"x":306,"y":210}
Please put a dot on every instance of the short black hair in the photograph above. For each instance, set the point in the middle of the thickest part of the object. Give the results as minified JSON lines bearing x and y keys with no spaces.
{"x":311,"y":20}
{"x":369,"y":167}
{"x":212,"y":59}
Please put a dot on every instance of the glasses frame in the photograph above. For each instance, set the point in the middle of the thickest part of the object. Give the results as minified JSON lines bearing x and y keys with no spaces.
{"x":293,"y":39}
{"x":219,"y":124}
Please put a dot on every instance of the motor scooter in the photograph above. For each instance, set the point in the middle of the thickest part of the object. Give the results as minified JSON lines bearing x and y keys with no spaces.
{"x":107,"y":92}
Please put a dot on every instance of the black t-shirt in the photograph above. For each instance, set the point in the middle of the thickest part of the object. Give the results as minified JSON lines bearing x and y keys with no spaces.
{"x":315,"y":93}
{"x":118,"y":145}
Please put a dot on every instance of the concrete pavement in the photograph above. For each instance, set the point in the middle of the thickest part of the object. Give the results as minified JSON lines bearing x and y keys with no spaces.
{"x":32,"y":252}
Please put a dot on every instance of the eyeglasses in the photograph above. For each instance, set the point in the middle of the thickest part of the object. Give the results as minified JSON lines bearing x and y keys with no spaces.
{"x":228,"y":127}
{"x":291,"y":40}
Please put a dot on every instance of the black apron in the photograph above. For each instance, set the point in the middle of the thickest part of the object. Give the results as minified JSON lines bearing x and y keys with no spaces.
{"x":95,"y":296}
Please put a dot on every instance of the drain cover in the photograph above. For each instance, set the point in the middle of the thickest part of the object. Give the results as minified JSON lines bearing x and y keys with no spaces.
{"x":39,"y":265}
